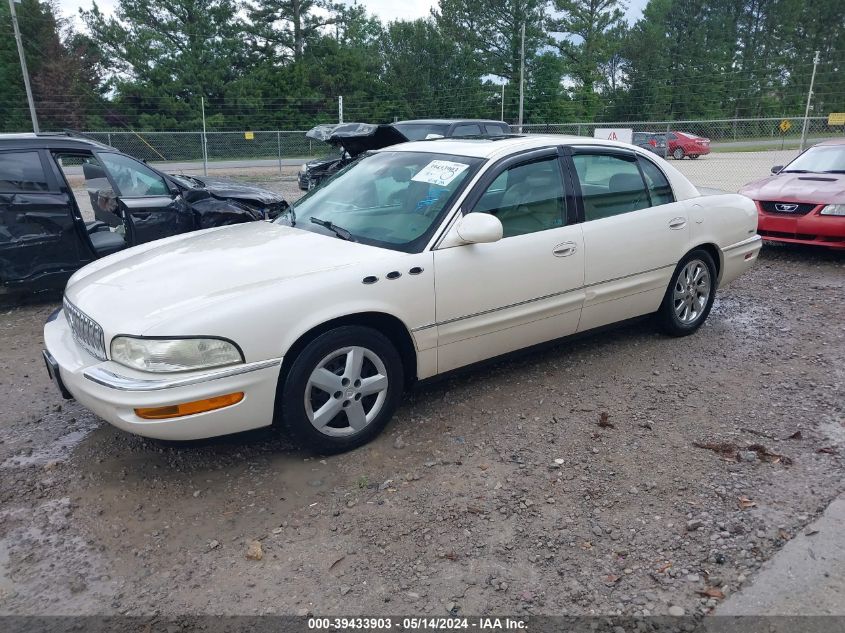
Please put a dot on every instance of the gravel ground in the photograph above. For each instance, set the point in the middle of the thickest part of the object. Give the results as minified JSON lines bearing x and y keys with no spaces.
{"x":496,"y":491}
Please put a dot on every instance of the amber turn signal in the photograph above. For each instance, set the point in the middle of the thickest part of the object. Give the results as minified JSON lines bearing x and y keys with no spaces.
{"x":189,"y":408}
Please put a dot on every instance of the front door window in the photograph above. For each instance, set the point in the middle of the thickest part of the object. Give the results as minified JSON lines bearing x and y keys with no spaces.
{"x":132,"y":178}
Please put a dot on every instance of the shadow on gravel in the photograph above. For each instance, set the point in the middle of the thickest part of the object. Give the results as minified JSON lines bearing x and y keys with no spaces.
{"x":805,"y":254}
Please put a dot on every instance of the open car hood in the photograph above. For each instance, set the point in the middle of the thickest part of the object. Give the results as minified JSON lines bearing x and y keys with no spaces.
{"x":798,"y":187}
{"x":357,"y":138}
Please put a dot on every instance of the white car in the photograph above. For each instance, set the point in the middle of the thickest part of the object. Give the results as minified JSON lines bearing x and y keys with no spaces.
{"x":413,"y":261}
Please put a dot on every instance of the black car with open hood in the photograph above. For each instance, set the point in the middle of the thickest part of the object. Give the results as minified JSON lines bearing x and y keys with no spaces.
{"x":351,"y":140}
{"x":66,"y":201}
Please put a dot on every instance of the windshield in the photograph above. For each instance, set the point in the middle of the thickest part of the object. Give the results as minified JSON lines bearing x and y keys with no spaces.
{"x":422,"y":131}
{"x":388,"y":199}
{"x":820,"y":159}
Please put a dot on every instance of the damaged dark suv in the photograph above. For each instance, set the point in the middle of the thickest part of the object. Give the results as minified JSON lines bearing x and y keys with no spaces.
{"x":49,"y":228}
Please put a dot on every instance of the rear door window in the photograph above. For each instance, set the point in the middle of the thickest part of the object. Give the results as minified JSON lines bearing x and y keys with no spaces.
{"x":497,"y":128}
{"x":22,"y":172}
{"x":658,"y":185}
{"x":467,"y":129}
{"x":611,"y":184}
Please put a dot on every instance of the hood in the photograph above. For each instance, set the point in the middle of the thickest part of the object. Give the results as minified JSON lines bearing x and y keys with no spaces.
{"x":222,"y":188}
{"x":786,"y":187}
{"x":168,"y":280}
{"x":357,"y":138}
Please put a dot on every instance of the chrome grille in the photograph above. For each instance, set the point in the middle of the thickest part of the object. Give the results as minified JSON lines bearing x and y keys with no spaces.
{"x":85,"y":330}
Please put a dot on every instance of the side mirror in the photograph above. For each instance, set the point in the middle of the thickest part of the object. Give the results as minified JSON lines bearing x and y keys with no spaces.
{"x":777,"y":169}
{"x":479,"y":228}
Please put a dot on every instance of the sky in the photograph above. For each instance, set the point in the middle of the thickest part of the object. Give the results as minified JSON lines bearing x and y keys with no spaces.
{"x":386,"y":10}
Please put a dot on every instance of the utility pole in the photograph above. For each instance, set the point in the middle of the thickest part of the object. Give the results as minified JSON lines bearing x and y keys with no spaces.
{"x":521,"y":77}
{"x":340,"y":109}
{"x":23,"y":67}
{"x":503,"y":102}
{"x":204,"y":140}
{"x":809,"y":98}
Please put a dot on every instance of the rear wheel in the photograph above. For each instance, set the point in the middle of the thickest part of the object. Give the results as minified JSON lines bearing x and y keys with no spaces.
{"x":678,"y":153}
{"x":690,"y":295}
{"x":342,"y":389}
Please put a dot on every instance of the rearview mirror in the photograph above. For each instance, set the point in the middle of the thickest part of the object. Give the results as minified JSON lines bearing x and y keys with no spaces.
{"x":777,"y":169}
{"x":479,"y":228}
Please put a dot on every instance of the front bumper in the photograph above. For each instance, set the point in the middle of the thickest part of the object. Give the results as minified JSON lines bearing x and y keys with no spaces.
{"x":739,"y":258}
{"x":303,"y":180}
{"x":113,"y":392}
{"x":811,"y":228}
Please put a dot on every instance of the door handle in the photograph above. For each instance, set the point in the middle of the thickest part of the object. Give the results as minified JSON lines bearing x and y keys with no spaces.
{"x":677,"y":223}
{"x":565,"y":249}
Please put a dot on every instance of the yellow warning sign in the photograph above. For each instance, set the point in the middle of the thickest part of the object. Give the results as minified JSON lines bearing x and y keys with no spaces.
{"x":836,"y":118}
{"x":250,"y":136}
{"x":785,"y":125}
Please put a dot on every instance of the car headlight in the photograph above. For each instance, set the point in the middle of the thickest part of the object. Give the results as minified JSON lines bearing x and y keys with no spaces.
{"x":833,"y":209}
{"x":170,"y":355}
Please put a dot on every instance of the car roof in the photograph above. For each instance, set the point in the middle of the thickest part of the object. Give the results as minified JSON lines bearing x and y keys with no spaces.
{"x":500,"y":146}
{"x":833,"y":141}
{"x":446,"y":121}
{"x":50,"y":140}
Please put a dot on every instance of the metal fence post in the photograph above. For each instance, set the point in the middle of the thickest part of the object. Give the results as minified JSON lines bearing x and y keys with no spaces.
{"x":110,"y":145}
{"x":203,"y":140}
{"x":279,"y":143}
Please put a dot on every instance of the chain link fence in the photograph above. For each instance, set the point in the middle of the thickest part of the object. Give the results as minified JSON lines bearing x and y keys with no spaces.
{"x":221,"y":147}
{"x":732,"y":152}
{"x":737,"y":151}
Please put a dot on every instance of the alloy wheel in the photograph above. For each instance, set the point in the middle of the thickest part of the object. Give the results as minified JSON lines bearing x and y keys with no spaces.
{"x":346,"y":391}
{"x":691,"y":292}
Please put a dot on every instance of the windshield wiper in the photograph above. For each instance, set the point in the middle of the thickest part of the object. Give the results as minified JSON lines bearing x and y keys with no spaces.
{"x":834,"y":171}
{"x":795,"y":171}
{"x":341,"y":232}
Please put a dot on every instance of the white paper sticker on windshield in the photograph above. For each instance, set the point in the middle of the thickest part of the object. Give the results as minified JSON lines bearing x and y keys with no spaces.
{"x":440,"y":172}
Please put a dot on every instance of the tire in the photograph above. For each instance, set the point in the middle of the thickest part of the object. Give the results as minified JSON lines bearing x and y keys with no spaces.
{"x":678,"y":153}
{"x":683,"y":313}
{"x":339,"y":404}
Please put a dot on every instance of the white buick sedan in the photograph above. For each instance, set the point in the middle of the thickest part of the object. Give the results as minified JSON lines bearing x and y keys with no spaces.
{"x":412,"y":261}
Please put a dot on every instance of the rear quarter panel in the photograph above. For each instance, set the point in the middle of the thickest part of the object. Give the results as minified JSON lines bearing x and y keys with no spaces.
{"x":722,"y":219}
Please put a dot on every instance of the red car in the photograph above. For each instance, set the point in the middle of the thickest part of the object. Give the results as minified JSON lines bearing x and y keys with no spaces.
{"x":804,"y":202}
{"x":687,"y":144}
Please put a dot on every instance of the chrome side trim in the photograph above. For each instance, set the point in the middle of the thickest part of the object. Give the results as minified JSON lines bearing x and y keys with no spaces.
{"x":745,"y":242}
{"x":555,"y":294}
{"x":124,"y":383}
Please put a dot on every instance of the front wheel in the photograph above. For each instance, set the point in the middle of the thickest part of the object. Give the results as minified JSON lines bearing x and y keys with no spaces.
{"x":342,"y":389}
{"x":690,"y":295}
{"x":678,"y":153}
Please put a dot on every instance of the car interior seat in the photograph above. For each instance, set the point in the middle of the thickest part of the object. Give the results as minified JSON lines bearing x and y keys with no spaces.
{"x":532,"y":201}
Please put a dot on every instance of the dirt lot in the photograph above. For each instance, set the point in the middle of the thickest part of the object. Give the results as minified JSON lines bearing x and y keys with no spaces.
{"x":494,"y":492}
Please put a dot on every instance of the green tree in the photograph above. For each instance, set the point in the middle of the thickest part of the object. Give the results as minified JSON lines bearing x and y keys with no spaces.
{"x":165,"y":54}
{"x":63,"y":68}
{"x":426,"y":74}
{"x":489,"y":31}
{"x":285,"y":27}
{"x":592,"y":34}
